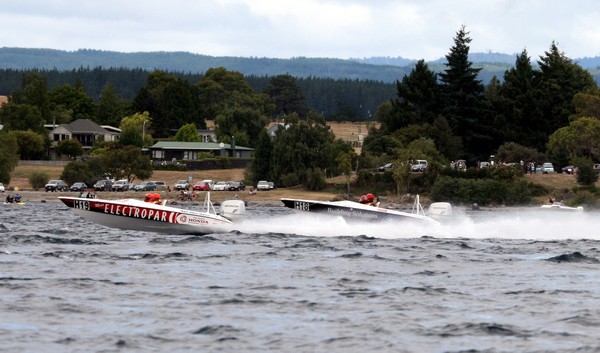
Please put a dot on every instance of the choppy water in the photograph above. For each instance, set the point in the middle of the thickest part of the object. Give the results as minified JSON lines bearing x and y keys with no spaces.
{"x":493,"y":282}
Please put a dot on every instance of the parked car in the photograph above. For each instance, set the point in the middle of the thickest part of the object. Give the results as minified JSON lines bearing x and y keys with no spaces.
{"x":2,"y":189}
{"x":236,"y":186}
{"x":547,"y":168}
{"x":263,"y":185}
{"x":221,"y":186}
{"x":460,"y":164}
{"x":103,"y":185}
{"x":210,"y":182}
{"x":271,"y":185}
{"x":78,"y":186}
{"x":145,"y":186}
{"x":419,"y":166}
{"x":160,"y":185}
{"x":181,"y":185}
{"x":121,"y":185}
{"x":570,"y":169}
{"x":201,"y":186}
{"x":386,"y":168}
{"x":485,"y":165}
{"x":56,"y":185}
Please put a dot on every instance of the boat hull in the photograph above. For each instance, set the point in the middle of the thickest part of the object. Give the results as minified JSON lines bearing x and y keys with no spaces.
{"x":143,"y":216}
{"x":355,"y":212}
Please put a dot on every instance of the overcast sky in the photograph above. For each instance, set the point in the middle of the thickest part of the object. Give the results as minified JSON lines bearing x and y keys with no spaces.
{"x":413,"y":29}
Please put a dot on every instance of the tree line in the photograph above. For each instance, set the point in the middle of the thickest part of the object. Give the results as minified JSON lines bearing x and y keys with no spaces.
{"x":337,"y":99}
{"x":469,"y":120}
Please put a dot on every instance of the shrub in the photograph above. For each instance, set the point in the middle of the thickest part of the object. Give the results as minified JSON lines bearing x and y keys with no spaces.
{"x":585,"y":198}
{"x":315,"y":179}
{"x":223,"y":162}
{"x":364,"y":176}
{"x":504,"y":172}
{"x":290,"y":179}
{"x":205,"y":155}
{"x":78,"y":171}
{"x":586,"y":175}
{"x":485,"y":191}
{"x":175,"y":167}
{"x":38,"y":180}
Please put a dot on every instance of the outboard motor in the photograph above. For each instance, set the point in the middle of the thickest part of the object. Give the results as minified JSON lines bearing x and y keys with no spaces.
{"x":233,"y":209}
{"x":440,"y":210}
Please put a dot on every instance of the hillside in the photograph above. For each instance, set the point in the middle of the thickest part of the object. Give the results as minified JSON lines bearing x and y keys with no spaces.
{"x":382,"y":69}
{"x":49,"y":59}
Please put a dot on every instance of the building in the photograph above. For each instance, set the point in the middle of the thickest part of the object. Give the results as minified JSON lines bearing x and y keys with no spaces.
{"x":3,"y":100}
{"x":206,"y":135}
{"x":190,"y":151}
{"x":85,"y":131}
{"x":274,"y":128}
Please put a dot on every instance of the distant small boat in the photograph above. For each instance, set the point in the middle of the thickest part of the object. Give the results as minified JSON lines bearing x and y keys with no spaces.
{"x":559,"y":206}
{"x":15,"y":203}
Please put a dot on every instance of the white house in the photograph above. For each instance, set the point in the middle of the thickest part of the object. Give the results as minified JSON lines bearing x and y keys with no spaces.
{"x":85,"y":131}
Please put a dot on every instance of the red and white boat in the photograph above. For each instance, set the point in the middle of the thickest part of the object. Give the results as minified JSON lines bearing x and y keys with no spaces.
{"x":146,"y":216}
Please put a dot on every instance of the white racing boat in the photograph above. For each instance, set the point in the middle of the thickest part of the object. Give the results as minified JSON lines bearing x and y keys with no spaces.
{"x":559,"y":206}
{"x":356,"y":211}
{"x":146,"y":216}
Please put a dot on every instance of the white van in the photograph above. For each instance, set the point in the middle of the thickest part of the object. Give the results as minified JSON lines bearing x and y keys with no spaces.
{"x":419,"y":166}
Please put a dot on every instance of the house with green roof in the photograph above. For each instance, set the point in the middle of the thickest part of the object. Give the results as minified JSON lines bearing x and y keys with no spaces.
{"x":190,"y":151}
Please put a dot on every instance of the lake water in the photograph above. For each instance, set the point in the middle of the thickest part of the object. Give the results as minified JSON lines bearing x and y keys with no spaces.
{"x":505,"y":281}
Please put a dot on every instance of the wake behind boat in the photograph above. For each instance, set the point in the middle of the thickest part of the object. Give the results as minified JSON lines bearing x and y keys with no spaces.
{"x":356,"y":211}
{"x":147,"y":216}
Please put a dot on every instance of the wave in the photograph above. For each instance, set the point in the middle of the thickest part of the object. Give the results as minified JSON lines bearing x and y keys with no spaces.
{"x":576,"y":257}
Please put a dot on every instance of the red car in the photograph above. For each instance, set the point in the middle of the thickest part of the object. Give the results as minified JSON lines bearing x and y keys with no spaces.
{"x":201,"y":186}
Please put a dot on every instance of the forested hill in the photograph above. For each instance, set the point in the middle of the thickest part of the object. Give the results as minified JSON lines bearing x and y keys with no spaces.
{"x":378,"y":69}
{"x":384,"y":69}
{"x":48,"y":59}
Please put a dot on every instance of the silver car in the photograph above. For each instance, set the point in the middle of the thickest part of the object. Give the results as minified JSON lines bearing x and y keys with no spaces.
{"x":263,"y":185}
{"x":548,"y":168}
{"x":221,"y":186}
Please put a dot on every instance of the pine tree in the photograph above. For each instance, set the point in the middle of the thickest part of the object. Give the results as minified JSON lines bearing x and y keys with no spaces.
{"x":261,"y":166}
{"x":523,"y":119}
{"x":417,"y":99}
{"x":462,"y":94}
{"x":559,"y":80}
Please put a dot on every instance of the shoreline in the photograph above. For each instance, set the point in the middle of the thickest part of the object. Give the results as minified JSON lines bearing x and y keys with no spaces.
{"x":260,"y":199}
{"x":264,"y":198}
